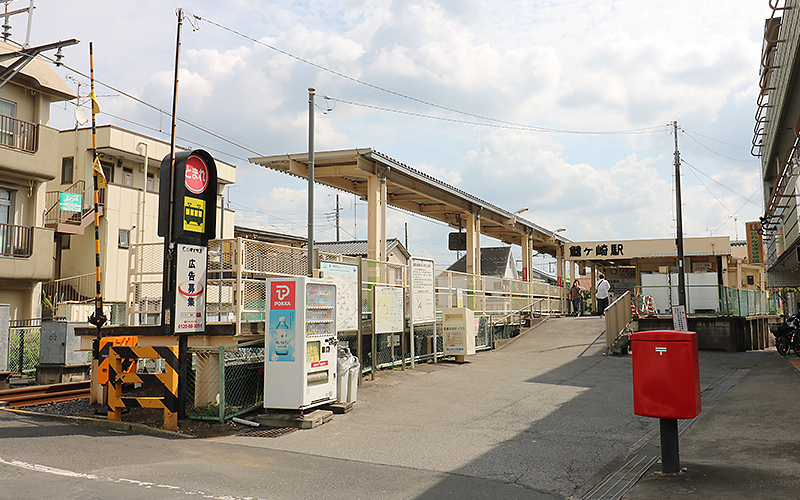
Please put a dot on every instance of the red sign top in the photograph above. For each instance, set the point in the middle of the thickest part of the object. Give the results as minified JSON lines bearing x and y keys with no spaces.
{"x":196,"y":174}
{"x":281,"y":295}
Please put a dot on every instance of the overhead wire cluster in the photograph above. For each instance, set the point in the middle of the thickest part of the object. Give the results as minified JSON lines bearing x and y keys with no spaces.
{"x":486,"y":121}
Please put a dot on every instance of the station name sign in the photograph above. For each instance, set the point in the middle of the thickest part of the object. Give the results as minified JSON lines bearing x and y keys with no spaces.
{"x":597,"y":250}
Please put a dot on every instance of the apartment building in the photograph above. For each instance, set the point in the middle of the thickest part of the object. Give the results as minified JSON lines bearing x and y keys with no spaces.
{"x":29,"y":158}
{"x":128,"y":211}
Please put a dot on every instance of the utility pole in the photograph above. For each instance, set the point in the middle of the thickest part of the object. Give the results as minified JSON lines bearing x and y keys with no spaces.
{"x":679,"y":238}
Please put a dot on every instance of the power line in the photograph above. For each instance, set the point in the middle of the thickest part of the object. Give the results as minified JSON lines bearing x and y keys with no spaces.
{"x":715,"y":152}
{"x":717,"y":140}
{"x":532,"y":128}
{"x":719,"y":183}
{"x":406,"y":96}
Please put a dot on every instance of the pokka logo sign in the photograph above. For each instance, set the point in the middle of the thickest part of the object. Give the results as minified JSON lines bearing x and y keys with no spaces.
{"x":282,"y":295}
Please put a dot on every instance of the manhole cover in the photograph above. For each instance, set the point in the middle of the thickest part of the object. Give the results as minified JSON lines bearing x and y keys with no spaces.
{"x":268,"y":432}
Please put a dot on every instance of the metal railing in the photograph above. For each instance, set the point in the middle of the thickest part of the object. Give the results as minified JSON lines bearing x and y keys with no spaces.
{"x":75,"y":289}
{"x":238,"y":268}
{"x":55,"y":215}
{"x":618,"y":316}
{"x":19,"y":134}
{"x":16,"y":241}
{"x":705,"y":300}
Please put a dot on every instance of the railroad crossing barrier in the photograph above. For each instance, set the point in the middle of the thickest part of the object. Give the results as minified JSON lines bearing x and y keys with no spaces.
{"x":168,"y":380}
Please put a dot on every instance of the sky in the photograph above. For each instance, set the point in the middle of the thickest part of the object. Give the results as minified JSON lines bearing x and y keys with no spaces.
{"x":564,"y":107}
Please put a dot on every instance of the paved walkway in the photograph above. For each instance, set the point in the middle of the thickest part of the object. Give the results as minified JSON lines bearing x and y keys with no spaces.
{"x":744,"y":447}
{"x":544,"y":414}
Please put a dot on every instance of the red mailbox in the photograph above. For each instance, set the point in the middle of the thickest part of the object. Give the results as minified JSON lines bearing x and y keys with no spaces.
{"x":666,"y":374}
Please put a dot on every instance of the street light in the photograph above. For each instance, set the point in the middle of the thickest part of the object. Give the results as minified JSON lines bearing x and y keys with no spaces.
{"x":514,"y":214}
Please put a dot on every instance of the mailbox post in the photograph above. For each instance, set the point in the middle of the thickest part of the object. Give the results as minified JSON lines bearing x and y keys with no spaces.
{"x":666,"y":384}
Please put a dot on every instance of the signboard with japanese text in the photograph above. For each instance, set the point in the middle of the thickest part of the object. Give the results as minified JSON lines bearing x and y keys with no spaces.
{"x":190,"y":303}
{"x":70,"y":202}
{"x":388,"y":314}
{"x":422,"y":290}
{"x":679,"y":320}
{"x":345,"y":276}
{"x":621,"y":250}
{"x":755,"y":248}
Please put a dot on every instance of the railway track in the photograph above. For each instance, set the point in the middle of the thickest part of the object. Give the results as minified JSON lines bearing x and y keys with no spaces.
{"x":45,"y":394}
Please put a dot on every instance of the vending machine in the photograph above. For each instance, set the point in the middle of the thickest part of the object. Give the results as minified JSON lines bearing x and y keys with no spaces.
{"x":300,"y":330}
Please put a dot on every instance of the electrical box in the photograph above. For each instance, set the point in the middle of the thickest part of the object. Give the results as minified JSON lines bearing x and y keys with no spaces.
{"x":666,"y":374}
{"x":59,"y":344}
{"x":458,"y":331}
{"x":300,"y":362}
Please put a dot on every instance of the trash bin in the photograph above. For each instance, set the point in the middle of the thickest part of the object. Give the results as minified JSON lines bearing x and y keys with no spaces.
{"x":666,"y":374}
{"x":343,"y":361}
{"x":352,"y":390}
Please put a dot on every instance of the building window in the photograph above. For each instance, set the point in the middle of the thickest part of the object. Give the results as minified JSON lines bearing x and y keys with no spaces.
{"x":64,"y":241}
{"x":8,"y":110}
{"x":127,"y":176}
{"x":151,"y":182}
{"x":67,"y":167}
{"x":108,"y":171}
{"x":124,"y":238}
{"x":6,"y":202}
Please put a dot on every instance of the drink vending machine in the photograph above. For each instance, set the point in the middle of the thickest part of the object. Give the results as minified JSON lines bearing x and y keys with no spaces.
{"x":300,"y":361}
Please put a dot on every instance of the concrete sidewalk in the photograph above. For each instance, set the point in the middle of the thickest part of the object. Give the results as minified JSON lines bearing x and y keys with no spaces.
{"x":539,"y":417}
{"x":746,"y":446}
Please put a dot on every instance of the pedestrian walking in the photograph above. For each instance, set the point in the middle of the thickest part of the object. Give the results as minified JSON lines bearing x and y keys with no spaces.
{"x":575,"y":297}
{"x":602,"y":288}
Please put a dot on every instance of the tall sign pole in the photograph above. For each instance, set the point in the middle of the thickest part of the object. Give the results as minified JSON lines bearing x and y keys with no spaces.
{"x":311,"y":92}
{"x":679,"y":215}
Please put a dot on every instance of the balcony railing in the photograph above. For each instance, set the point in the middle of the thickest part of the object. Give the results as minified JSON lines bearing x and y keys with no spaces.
{"x":16,"y":241}
{"x":18,"y":134}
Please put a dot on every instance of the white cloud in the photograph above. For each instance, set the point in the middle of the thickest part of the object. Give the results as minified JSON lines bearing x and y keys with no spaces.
{"x":573,"y":64}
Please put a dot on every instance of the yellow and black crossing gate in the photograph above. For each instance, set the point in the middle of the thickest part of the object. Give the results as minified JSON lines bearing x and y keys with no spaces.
{"x":168,"y":380}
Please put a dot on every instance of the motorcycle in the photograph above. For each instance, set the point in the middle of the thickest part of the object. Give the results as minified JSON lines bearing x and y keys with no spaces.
{"x":787,"y":335}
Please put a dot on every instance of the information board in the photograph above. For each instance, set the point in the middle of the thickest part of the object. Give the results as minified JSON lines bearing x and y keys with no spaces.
{"x":387,"y":304}
{"x":190,"y":301}
{"x":422,"y":291}
{"x":345,"y":276}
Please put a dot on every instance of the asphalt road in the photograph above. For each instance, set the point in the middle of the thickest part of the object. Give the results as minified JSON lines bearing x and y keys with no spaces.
{"x":540,"y":419}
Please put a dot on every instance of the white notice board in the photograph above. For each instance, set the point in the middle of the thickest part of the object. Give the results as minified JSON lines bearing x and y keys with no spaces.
{"x":387,"y":309}
{"x":345,"y":276}
{"x":422,"y":291}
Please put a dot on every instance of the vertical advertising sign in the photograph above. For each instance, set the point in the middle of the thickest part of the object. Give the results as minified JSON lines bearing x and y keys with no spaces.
{"x":755,"y":248}
{"x":190,"y":303}
{"x":281,"y":322}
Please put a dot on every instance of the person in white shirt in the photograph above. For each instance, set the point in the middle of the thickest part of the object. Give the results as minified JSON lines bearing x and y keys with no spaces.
{"x":602,"y":288}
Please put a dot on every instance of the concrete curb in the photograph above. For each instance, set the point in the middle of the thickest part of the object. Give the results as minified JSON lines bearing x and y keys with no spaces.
{"x":108,"y":424}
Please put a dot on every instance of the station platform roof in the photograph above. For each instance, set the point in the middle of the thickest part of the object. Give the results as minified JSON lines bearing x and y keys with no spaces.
{"x":414,"y":191}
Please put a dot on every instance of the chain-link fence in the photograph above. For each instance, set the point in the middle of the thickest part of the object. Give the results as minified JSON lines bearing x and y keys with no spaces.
{"x":225,"y":381}
{"x":24,"y":343}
